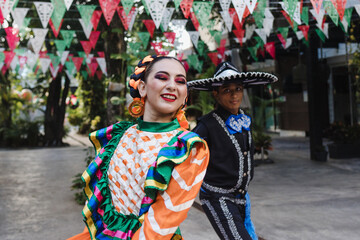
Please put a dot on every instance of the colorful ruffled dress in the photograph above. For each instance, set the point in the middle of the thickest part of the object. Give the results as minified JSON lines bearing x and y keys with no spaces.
{"x":143,"y":181}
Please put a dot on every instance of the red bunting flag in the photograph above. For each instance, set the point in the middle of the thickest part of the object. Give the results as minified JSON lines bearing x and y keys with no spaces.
{"x":180,"y":56}
{"x":157,"y":47}
{"x":291,"y":22}
{"x":55,"y":71}
{"x":101,"y":54}
{"x":95,"y":18}
{"x":261,"y":52}
{"x":9,"y":56}
{"x":99,"y":74}
{"x":223,"y":42}
{"x":340,"y":7}
{"x":317,"y":5}
{"x":221,"y":52}
{"x":126,"y":19}
{"x":22,"y":61}
{"x":86,"y":46}
{"x":150,"y":26}
{"x":239,"y":33}
{"x":55,"y":31}
{"x":305,"y":30}
{"x":1,"y":17}
{"x":93,"y":66}
{"x":270,"y":48}
{"x":185,"y":6}
{"x":194,"y":21}
{"x":43,"y":54}
{"x":109,"y":7}
{"x":235,"y":18}
{"x":164,"y":52}
{"x":282,"y":40}
{"x":170,"y":36}
{"x":77,"y":62}
{"x":214,"y":58}
{"x":12,"y":37}
{"x":94,"y":36}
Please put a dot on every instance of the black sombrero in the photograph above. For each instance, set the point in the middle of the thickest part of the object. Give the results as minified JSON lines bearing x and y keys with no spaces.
{"x":227,"y":73}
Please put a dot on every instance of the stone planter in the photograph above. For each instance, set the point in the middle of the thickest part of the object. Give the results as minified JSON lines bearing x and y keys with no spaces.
{"x":344,"y":150}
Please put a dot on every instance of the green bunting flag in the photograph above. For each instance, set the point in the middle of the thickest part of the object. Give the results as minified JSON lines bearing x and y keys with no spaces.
{"x":58,"y":13}
{"x":332,"y":12}
{"x":68,"y":36}
{"x":306,"y":42}
{"x":259,"y":41}
{"x":284,"y":31}
{"x":261,"y":5}
{"x":127,"y":5}
{"x":134,"y":47}
{"x":290,"y":5}
{"x":60,"y":45}
{"x":177,"y":4}
{"x":305,"y":15}
{"x":202,"y":11}
{"x":201,"y":48}
{"x":19,"y":51}
{"x":217,"y":36}
{"x":253,"y":52}
{"x":321,"y":34}
{"x":194,"y":62}
{"x":347,"y":18}
{"x":144,"y":37}
{"x":85,"y":74}
{"x":83,"y":55}
{"x":86,"y":12}
{"x":26,"y":22}
{"x":55,"y":60}
{"x":2,"y":57}
{"x":70,"y":66}
{"x":146,"y":7}
{"x":259,"y":18}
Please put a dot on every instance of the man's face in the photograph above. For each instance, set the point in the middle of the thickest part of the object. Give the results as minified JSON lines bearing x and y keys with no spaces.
{"x":229,"y":96}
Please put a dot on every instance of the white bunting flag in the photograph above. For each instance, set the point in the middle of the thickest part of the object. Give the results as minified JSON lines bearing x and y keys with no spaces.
{"x":268,"y":22}
{"x":180,"y":23}
{"x":44,"y":10}
{"x":357,"y":8}
{"x":87,"y":29}
{"x":132,"y":21}
{"x":38,"y":40}
{"x":31,"y":58}
{"x":345,"y":24}
{"x":45,"y":63}
{"x":319,"y":17}
{"x":194,"y":36}
{"x":156,"y":8}
{"x":89,"y":58}
{"x":249,"y":30}
{"x":53,"y":71}
{"x":102,"y":64}
{"x":296,"y":15}
{"x":64,"y":56}
{"x":227,"y":19}
{"x":225,"y":4}
{"x":262,"y":34}
{"x":299,"y":35}
{"x":1,"y":65}
{"x":166,"y":18}
{"x":288,"y":43}
{"x":251,"y":4}
{"x":68,"y":4}
{"x":239,"y":6}
{"x":19,"y":16}
{"x":325,"y":30}
{"x":6,"y":7}
{"x":14,"y":63}
{"x":70,"y":75}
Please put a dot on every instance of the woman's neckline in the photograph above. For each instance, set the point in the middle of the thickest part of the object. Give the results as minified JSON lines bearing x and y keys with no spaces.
{"x":157,"y":126}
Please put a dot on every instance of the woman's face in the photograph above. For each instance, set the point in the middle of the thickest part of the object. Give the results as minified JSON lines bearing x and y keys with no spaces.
{"x":165,"y":90}
{"x":229,"y":96}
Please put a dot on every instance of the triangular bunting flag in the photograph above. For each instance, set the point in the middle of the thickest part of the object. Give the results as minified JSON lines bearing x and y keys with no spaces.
{"x":202,"y":11}
{"x":31,"y":59}
{"x":144,"y":37}
{"x":299,"y":34}
{"x":94,"y":36}
{"x":317,"y":5}
{"x":22,"y":61}
{"x":95,"y":18}
{"x":102,"y":64}
{"x":346,"y":20}
{"x":55,"y":30}
{"x":305,"y":15}
{"x":44,"y":10}
{"x":13,"y":64}
{"x":262,"y":34}
{"x":68,"y":36}
{"x":227,"y":19}
{"x":170,"y":36}
{"x":194,"y":36}
{"x":60,"y":45}
{"x":57,"y":16}
{"x":78,"y":61}
{"x":157,"y":47}
{"x":70,"y":67}
{"x":127,"y":4}
{"x":64,"y":56}
{"x":109,"y":7}
{"x":177,"y":3}
{"x":7,"y":6}
{"x":9,"y":56}
{"x":86,"y":12}
{"x":39,"y":39}
{"x":19,"y":15}
{"x":54,"y":70}
{"x":44,"y":63}
{"x":55,"y":60}
{"x":93,"y":66}
{"x":84,"y":74}
{"x":332,"y":12}
{"x":126,"y":19}
{"x":288,"y":43}
{"x":86,"y":46}
{"x":340,"y":7}
{"x":225,"y":4}
{"x":194,"y":62}
{"x":150,"y":26}
{"x":270,"y":48}
{"x":249,"y":30}
{"x":282,"y":39}
{"x":185,"y":7}
{"x":87,"y":29}
{"x":194,"y":21}
{"x":239,"y":33}
{"x":156,"y":8}
{"x":357,"y":8}
{"x":320,"y":34}
{"x":240,"y":7}
{"x":99,"y":74}
{"x":68,"y":4}
{"x":168,"y":12}
{"x":251,"y":4}
{"x":304,"y":29}
{"x":235,"y":18}
{"x":253,"y":52}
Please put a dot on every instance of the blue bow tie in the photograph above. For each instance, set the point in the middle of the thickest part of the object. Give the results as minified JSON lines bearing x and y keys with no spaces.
{"x":235,"y":123}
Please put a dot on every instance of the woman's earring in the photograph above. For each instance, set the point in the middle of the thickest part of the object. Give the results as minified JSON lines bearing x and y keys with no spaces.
{"x":136,"y":108}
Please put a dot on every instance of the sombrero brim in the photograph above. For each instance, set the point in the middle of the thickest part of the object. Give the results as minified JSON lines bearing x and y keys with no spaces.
{"x":248,"y":79}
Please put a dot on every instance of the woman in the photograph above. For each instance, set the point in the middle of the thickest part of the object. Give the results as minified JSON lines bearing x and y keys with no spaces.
{"x":147,"y":173}
{"x":223,"y":193}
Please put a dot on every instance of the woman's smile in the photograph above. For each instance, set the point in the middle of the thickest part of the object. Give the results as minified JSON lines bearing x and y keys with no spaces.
{"x":169,"y":97}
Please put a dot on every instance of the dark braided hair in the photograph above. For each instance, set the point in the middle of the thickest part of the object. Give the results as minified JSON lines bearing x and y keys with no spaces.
{"x":142,"y":70}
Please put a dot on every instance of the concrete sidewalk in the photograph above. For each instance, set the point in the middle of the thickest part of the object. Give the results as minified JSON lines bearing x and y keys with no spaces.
{"x":293,"y":198}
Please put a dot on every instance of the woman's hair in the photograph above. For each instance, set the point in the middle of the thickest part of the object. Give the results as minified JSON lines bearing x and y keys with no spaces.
{"x":142,"y":71}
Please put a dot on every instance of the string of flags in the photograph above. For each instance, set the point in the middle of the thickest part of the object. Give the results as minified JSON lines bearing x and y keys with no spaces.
{"x":208,"y":25}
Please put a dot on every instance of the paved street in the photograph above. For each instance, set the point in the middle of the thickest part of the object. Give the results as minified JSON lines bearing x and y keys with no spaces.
{"x":293,"y":198}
